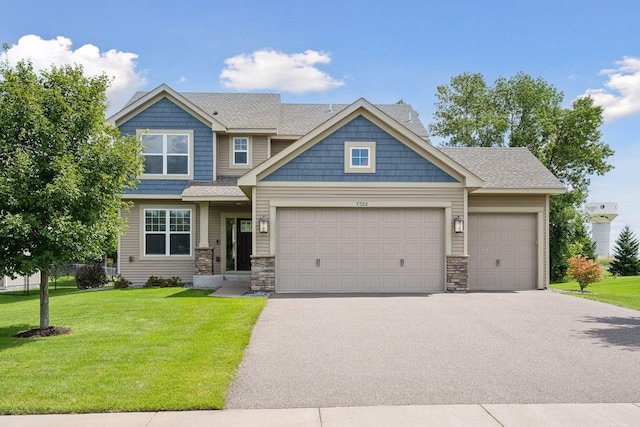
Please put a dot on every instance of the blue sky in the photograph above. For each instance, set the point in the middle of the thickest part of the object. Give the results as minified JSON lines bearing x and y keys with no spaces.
{"x":338,"y":51}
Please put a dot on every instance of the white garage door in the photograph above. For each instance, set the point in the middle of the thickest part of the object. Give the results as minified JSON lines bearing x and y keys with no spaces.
{"x":359,"y":250}
{"x":502,"y":252}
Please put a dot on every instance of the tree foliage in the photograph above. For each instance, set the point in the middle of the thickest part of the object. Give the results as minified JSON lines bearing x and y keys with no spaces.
{"x":62,"y":170}
{"x":585,"y":271}
{"x":625,"y":253}
{"x":523,"y":111}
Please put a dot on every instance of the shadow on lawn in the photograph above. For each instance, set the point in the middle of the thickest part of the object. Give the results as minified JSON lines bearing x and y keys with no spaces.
{"x":622,"y":331}
{"x":8,"y":338}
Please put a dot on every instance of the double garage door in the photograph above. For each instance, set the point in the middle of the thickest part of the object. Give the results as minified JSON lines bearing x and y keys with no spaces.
{"x":502,"y":252}
{"x":360,"y":250}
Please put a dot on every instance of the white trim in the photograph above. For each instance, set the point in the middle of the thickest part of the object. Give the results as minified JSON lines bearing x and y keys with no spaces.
{"x":356,"y":203}
{"x":160,"y":92}
{"x":142,"y":255}
{"x":256,"y":131}
{"x":360,"y":184}
{"x":232,"y":152}
{"x":520,"y":191}
{"x":190,"y":154}
{"x":349,"y":146}
{"x":540,"y":249}
{"x":465,"y":235}
{"x":506,"y":209}
{"x":446,"y":227}
{"x":203,"y":241}
{"x":364,"y":108}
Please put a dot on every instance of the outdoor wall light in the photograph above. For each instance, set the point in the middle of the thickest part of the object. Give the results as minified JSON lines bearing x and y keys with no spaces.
{"x":263,"y":224}
{"x":458,"y":224}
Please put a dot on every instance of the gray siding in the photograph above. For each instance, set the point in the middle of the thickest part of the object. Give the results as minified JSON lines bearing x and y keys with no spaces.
{"x":164,"y":114}
{"x":395,"y":162}
{"x":277,"y":145}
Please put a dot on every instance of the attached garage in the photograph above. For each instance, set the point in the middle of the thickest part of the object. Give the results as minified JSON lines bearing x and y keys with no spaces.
{"x":502,"y":251}
{"x":360,"y":250}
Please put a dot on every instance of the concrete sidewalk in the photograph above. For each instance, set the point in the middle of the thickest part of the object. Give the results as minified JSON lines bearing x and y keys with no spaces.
{"x":547,"y":415}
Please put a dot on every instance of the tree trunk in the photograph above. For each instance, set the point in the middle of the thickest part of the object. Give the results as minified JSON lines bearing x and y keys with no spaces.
{"x":44,"y":299}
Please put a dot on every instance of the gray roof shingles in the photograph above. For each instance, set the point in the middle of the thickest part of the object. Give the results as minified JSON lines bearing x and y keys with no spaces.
{"x":504,"y":167}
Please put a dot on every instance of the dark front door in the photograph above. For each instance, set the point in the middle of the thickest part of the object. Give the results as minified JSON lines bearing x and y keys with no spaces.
{"x":244,"y":232}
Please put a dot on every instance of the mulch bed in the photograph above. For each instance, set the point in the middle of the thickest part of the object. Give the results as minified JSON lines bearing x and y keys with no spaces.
{"x":51,"y":331}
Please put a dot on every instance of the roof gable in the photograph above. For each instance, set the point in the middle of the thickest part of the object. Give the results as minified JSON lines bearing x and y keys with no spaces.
{"x":375,"y":115}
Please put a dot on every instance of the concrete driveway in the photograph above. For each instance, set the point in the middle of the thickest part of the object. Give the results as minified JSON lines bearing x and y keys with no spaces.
{"x":523,"y":347}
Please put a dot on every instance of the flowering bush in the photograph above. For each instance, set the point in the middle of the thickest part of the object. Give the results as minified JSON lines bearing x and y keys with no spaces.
{"x":584,"y":271}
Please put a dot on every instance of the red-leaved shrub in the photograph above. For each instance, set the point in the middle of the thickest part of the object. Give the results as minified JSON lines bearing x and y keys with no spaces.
{"x":584,"y":271}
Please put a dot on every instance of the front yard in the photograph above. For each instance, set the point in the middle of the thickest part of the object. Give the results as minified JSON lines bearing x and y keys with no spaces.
{"x":128,"y":350}
{"x":622,"y":291}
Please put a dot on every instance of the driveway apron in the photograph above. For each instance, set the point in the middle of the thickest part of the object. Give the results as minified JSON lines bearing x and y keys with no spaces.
{"x":521,"y":347}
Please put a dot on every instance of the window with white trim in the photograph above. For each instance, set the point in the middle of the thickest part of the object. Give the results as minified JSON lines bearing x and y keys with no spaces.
{"x":359,"y":157}
{"x":167,"y":232}
{"x":166,"y":153}
{"x":241,"y":151}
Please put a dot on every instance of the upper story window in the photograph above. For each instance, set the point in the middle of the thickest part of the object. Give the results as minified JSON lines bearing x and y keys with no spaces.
{"x":240,"y":151}
{"x":359,"y":157}
{"x":167,"y":153}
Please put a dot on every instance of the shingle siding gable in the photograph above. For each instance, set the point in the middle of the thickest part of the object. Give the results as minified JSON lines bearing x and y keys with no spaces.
{"x":165,"y":114}
{"x":395,"y":162}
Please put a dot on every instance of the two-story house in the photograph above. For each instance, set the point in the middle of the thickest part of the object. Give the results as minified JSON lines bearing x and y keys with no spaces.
{"x":326,"y":198}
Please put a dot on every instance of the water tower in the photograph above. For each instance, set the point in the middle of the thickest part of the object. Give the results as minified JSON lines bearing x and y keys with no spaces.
{"x":601,"y":215}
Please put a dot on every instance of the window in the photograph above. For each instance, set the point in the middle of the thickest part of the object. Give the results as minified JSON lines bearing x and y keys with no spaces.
{"x":167,"y":232}
{"x":166,"y":153}
{"x":359,"y":157}
{"x":240,"y":155}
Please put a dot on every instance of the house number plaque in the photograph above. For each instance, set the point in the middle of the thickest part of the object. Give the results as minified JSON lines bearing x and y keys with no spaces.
{"x":362,"y":204}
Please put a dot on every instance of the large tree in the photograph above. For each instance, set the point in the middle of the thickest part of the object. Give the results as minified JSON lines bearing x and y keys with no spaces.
{"x":62,"y":171}
{"x":523,"y":111}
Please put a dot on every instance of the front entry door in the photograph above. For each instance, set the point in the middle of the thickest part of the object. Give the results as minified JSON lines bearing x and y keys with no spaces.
{"x":244,"y":233}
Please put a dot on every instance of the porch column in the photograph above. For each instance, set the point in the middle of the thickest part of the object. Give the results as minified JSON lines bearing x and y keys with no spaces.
{"x":203,"y":241}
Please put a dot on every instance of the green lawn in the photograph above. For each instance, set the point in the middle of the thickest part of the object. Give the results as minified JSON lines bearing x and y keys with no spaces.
{"x":128,"y":350}
{"x":623,"y":291}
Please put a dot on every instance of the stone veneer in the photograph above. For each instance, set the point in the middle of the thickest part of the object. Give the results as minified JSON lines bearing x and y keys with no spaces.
{"x":263,"y":273}
{"x":204,"y":261}
{"x":457,"y":273}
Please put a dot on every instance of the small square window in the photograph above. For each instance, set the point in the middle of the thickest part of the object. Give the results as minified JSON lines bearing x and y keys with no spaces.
{"x":359,"y":157}
{"x":240,"y":154}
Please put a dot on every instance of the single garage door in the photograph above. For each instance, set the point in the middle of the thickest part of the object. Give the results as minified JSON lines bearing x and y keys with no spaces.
{"x":502,"y":252}
{"x":359,"y":250}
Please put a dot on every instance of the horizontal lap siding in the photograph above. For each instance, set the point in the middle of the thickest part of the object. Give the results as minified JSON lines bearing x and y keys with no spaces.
{"x":455,"y":195}
{"x":258,"y":154}
{"x":130,"y":245}
{"x":279,"y":145}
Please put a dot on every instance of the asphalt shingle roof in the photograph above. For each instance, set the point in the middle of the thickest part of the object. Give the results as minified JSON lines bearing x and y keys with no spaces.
{"x":504,"y":167}
{"x":265,"y":111}
{"x":222,"y":187}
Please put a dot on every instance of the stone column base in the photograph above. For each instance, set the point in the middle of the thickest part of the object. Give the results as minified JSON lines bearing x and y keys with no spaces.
{"x":263,"y":273}
{"x":457,"y":273}
{"x":204,"y":262}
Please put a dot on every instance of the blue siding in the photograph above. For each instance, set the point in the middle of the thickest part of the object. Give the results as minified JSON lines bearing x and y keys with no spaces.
{"x":395,"y":162}
{"x":164,"y":114}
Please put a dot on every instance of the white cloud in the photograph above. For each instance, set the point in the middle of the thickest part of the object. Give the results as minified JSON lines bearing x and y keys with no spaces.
{"x":120,"y":66}
{"x":621,"y":96}
{"x":271,"y":70}
{"x":182,"y":79}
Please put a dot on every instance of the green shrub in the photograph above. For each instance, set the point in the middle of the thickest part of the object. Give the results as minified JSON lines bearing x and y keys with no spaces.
{"x":174,"y":282}
{"x":154,"y":281}
{"x":121,"y":283}
{"x":91,"y":276}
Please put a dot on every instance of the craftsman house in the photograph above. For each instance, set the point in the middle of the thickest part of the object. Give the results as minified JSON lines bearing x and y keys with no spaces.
{"x":326,"y":198}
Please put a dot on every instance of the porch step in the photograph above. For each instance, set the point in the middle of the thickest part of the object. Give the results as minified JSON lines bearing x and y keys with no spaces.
{"x":238,"y":277}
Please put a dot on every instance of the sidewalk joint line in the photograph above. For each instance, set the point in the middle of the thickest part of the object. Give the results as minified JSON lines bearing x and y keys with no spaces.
{"x":490,"y":414}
